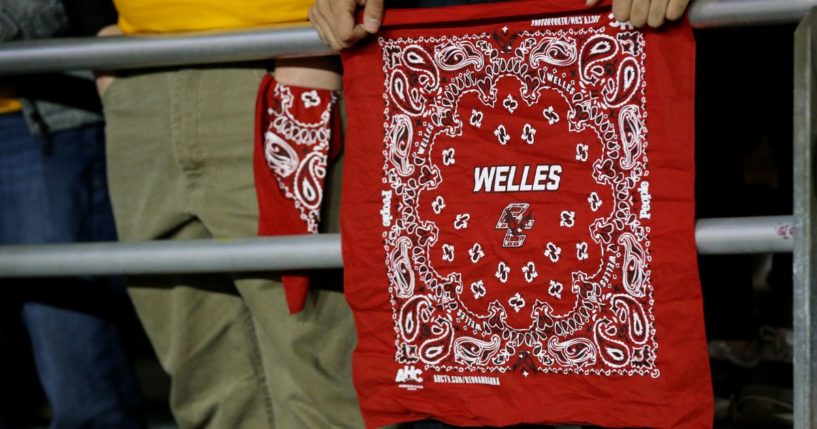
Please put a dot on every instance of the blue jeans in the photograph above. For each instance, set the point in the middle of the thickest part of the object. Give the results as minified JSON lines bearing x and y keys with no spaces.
{"x":54,"y":190}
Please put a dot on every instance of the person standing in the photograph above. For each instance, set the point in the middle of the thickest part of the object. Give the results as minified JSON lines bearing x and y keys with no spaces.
{"x":53,"y":188}
{"x":181,"y":166}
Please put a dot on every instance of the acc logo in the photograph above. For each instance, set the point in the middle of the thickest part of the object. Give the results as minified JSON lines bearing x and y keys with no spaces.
{"x":409,"y":374}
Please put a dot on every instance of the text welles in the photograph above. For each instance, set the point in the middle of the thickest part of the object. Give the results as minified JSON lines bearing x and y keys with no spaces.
{"x":514,"y":178}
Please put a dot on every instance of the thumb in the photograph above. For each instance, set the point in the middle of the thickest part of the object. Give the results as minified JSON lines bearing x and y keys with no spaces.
{"x":372,"y":15}
{"x":110,"y":30}
{"x":589,"y":3}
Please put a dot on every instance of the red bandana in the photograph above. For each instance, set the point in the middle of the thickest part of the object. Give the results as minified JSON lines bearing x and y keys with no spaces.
{"x":294,"y":129}
{"x":518,"y":227}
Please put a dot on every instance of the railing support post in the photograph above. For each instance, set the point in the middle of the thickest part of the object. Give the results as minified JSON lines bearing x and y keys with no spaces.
{"x":805,"y":210}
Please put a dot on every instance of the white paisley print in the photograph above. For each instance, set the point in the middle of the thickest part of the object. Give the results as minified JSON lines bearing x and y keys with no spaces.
{"x":447,"y":323}
{"x":297,"y":152}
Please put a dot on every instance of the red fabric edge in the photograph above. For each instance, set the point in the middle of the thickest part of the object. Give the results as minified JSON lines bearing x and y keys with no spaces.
{"x":428,"y":16}
{"x":702,"y":415}
{"x":296,"y":285}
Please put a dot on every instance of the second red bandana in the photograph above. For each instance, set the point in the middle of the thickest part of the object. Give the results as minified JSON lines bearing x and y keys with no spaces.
{"x":518,"y":220}
{"x":296,"y":135}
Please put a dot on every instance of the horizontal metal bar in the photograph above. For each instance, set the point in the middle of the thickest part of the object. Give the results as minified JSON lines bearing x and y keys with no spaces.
{"x":129,"y":52}
{"x":109,"y":53}
{"x":729,"y":235}
{"x":762,"y":234}
{"x":732,"y":13}
{"x":167,"y":257}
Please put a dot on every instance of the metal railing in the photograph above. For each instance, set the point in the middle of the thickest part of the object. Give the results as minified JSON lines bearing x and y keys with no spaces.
{"x":713,"y":236}
{"x":733,"y":13}
{"x":40,"y":56}
{"x":805,"y":212}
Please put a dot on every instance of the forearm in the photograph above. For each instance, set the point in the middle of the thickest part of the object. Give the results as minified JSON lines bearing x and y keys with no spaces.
{"x":321,"y":72}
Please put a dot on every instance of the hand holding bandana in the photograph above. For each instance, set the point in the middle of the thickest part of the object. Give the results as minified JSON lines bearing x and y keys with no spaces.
{"x":335,"y":19}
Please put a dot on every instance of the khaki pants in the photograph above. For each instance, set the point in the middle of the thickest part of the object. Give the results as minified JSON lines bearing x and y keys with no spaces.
{"x":180,"y":147}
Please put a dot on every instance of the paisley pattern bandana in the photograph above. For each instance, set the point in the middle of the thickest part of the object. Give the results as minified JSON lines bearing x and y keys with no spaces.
{"x":518,"y":230}
{"x":297,"y":134}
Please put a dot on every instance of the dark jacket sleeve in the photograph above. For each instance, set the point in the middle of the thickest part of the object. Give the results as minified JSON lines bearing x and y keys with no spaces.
{"x":31,"y":19}
{"x":87,"y":17}
{"x":58,"y":101}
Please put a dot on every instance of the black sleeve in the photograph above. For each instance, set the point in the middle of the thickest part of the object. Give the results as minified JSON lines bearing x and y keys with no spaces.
{"x":31,"y":19}
{"x":87,"y":17}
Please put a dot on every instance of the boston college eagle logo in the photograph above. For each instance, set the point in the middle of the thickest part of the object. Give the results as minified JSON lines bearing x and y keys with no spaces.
{"x":514,"y":220}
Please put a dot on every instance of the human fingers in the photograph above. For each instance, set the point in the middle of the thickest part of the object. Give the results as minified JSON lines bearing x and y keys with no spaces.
{"x":325,"y":29}
{"x":317,"y":15}
{"x":621,"y":9}
{"x":658,"y":11}
{"x":343,"y":20}
{"x":639,"y":12}
{"x":589,"y":3}
{"x":110,"y":30}
{"x":676,"y":9}
{"x":105,"y":78}
{"x":373,"y":15}
{"x":326,"y":22}
{"x":103,"y":81}
{"x":312,"y":16}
